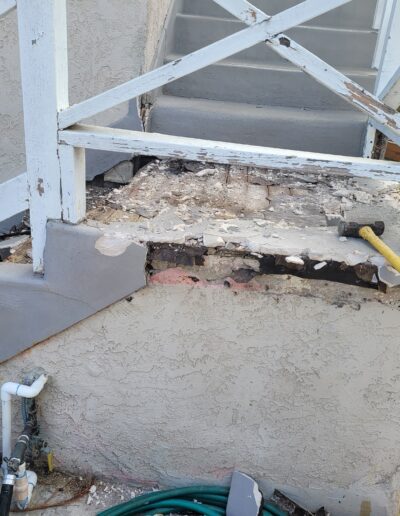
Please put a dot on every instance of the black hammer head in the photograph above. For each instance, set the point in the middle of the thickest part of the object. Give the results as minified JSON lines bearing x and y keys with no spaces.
{"x":352,"y":229}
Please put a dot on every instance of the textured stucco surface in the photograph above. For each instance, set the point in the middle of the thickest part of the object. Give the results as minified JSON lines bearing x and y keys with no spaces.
{"x":297,"y":385}
{"x":109,"y":43}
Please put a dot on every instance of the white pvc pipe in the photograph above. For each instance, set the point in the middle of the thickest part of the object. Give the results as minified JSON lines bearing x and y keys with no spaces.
{"x":15,"y":389}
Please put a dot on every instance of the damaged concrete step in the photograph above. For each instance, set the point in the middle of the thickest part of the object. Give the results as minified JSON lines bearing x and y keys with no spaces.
{"x":358,"y":14}
{"x":271,"y":85}
{"x":338,"y":47}
{"x":334,"y":132}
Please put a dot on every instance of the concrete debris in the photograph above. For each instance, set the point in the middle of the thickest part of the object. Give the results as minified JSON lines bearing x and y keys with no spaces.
{"x":120,"y":174}
{"x":363,"y":197}
{"x":213,"y":240}
{"x":320,"y":266}
{"x":246,"y":209}
{"x":295,"y":260}
{"x":355,"y":258}
{"x":293,"y":508}
{"x":9,"y":246}
{"x":206,"y":172}
{"x":333,"y":219}
{"x":389,"y":276}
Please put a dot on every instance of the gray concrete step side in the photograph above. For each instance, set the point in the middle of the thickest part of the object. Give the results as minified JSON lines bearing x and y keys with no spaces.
{"x":336,"y":47}
{"x":82,"y":276}
{"x":357,"y":14}
{"x":329,"y":132}
{"x":267,"y":85}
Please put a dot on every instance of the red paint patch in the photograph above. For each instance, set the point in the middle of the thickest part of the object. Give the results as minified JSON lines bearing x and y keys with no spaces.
{"x":176,"y":276}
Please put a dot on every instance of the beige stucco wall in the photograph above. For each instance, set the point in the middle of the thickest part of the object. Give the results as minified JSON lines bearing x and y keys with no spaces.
{"x":109,"y":42}
{"x":297,"y":384}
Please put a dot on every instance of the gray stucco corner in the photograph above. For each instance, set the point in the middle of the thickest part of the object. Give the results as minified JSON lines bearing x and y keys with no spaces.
{"x":86,"y":271}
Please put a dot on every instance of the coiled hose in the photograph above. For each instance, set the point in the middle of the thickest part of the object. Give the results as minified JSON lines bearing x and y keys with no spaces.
{"x":205,"y":500}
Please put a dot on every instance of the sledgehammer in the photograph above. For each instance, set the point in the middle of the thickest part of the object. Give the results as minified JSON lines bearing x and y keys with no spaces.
{"x":371,"y":233}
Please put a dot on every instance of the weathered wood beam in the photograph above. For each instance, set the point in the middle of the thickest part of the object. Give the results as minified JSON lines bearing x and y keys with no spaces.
{"x":338,"y":83}
{"x":42,"y":30}
{"x":388,"y":59}
{"x":382,"y":115}
{"x":391,"y":93}
{"x":165,"y":146}
{"x":73,"y":184}
{"x":14,"y":196}
{"x":213,"y":53}
{"x":379,"y":13}
{"x":6,"y":6}
{"x":245,"y":11}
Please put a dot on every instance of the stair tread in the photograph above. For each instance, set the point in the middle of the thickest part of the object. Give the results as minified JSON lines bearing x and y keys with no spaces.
{"x":339,"y":47}
{"x":252,"y":110}
{"x":329,"y":132}
{"x":358,"y":14}
{"x":264,"y":84}
{"x":241,"y":25}
{"x":281,"y":66}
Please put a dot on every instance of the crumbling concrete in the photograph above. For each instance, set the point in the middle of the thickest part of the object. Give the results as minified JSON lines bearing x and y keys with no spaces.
{"x":255,"y":345}
{"x":284,"y":219}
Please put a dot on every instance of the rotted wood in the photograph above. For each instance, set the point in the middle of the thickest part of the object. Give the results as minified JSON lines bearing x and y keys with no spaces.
{"x":166,"y":146}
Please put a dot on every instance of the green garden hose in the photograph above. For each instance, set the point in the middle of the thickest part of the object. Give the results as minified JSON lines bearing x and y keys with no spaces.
{"x":205,"y":500}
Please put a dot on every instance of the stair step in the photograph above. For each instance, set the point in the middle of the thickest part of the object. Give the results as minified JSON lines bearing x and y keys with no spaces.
{"x":338,"y":47}
{"x":270,"y":85}
{"x":288,"y":128}
{"x":358,"y":14}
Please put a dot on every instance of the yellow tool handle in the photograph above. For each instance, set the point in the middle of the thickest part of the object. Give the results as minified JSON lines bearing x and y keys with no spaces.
{"x":394,"y":259}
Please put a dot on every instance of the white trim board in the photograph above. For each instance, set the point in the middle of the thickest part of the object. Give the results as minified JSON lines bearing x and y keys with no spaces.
{"x":176,"y":147}
{"x":14,"y":196}
{"x":266,"y":29}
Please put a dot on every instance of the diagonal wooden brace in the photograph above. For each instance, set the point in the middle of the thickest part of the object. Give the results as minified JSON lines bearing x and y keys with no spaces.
{"x":260,"y":31}
{"x":383,"y":117}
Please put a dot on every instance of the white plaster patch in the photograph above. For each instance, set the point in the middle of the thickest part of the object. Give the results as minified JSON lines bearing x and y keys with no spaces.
{"x":112,"y":245}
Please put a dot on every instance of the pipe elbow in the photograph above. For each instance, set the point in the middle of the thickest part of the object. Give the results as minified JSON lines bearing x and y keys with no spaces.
{"x":31,"y":391}
{"x":25,"y":391}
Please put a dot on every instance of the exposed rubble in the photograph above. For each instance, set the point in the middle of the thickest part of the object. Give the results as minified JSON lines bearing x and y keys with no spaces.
{"x":287,"y":217}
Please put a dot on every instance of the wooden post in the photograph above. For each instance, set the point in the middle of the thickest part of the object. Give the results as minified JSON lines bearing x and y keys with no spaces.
{"x":42,"y":27}
{"x":386,"y":60}
{"x":379,"y":13}
{"x":389,"y":57}
{"x":73,"y":183}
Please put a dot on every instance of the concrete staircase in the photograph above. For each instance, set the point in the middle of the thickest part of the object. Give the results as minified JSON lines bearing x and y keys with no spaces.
{"x":256,"y":97}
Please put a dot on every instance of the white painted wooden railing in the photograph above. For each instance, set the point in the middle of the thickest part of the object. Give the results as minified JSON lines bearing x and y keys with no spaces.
{"x":55,"y":145}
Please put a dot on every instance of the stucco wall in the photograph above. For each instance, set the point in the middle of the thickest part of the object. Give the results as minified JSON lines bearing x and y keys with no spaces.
{"x":298,"y":385}
{"x":109,"y":43}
